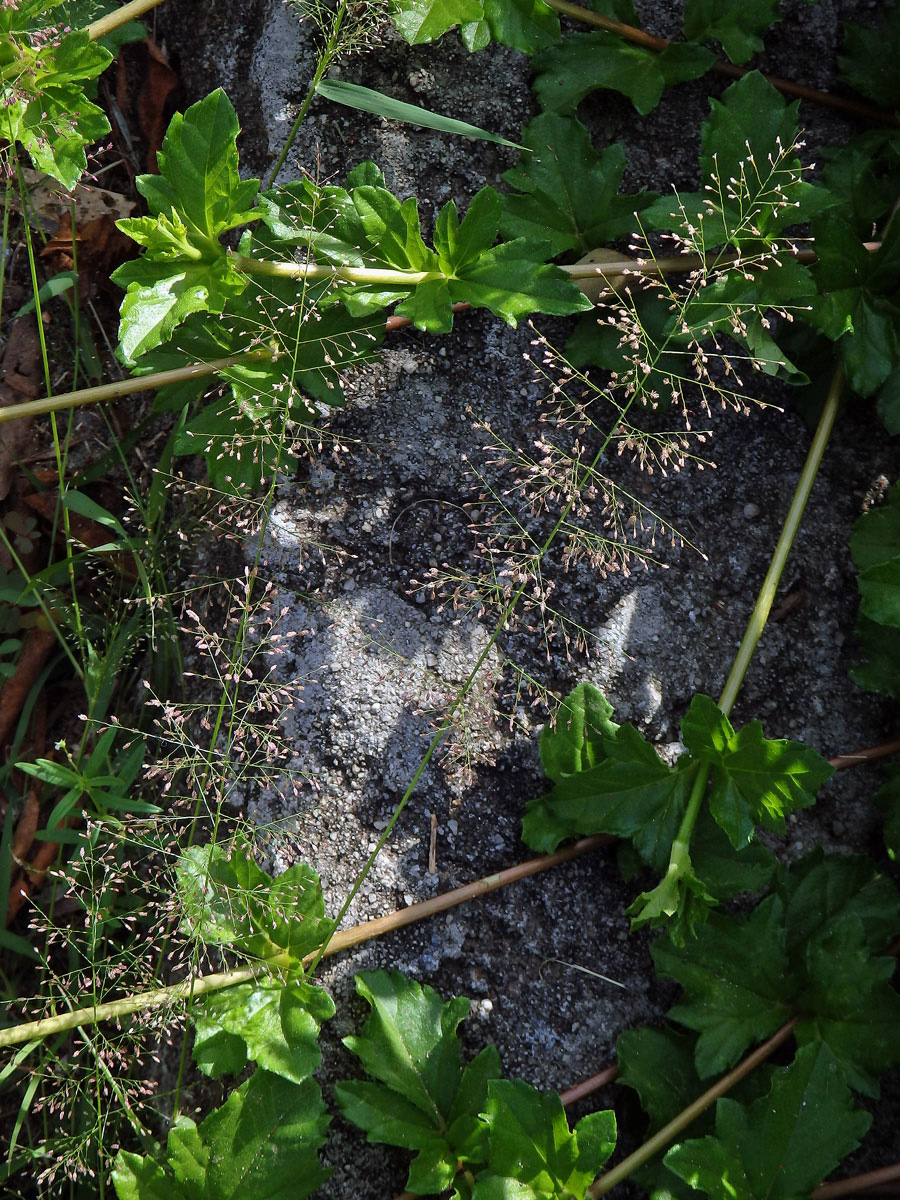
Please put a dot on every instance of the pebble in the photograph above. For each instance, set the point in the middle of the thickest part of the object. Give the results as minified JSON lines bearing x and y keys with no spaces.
{"x":751,"y":512}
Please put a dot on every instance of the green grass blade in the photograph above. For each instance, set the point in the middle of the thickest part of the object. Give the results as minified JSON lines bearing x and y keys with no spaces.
{"x":367,"y":100}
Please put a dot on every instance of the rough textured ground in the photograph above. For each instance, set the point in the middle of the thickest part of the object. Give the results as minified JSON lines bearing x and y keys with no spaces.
{"x":382,"y":655}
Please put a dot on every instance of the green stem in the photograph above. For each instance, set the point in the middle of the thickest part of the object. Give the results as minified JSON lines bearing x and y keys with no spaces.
{"x":669,"y":1132}
{"x":201,"y":984}
{"x":128,"y":12}
{"x":368,"y":275}
{"x":325,"y":60}
{"x":766,"y":596}
{"x":125,"y":387}
{"x":679,"y":857}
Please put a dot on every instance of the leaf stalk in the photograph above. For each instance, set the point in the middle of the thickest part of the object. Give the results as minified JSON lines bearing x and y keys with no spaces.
{"x":766,"y":597}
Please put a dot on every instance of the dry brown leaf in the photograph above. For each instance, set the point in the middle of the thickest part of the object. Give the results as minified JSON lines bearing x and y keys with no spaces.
{"x":48,"y":203}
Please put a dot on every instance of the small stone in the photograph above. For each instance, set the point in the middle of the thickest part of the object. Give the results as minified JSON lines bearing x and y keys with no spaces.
{"x":751,"y":512}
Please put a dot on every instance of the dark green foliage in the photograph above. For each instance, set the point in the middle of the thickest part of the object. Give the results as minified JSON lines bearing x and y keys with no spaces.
{"x":262,"y":1144}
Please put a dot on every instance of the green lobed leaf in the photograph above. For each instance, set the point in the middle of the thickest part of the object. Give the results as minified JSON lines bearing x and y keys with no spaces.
{"x":857,"y":306}
{"x":658,"y":1064}
{"x":584,"y":62}
{"x":736,"y":24}
{"x":755,"y":781}
{"x":869,"y":61}
{"x":420,"y":21}
{"x":531,"y":1144}
{"x":774,"y":1149}
{"x":631,"y":793}
{"x":262,"y":1144}
{"x":567,"y":192}
{"x":277,"y":1023}
{"x":577,"y":740}
{"x":44,"y":105}
{"x":863,"y":175}
{"x":227,"y":899}
{"x":197,"y":196}
{"x":733,"y":973}
{"x":812,"y":947}
{"x":750,"y":171}
{"x":423,"y":1099}
{"x":855,"y":1010}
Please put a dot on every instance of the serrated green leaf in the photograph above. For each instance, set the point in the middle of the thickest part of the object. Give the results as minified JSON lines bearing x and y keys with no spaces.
{"x":864,"y":177}
{"x":513,"y":280}
{"x":881,"y":646}
{"x":869,"y":61}
{"x":774,"y":1149}
{"x":680,"y":903}
{"x":567,"y":192}
{"x":198,"y":196}
{"x":631,"y":793}
{"x":875,"y":546}
{"x":409,"y":1041}
{"x":857,"y":305}
{"x":227,"y":899}
{"x":584,"y":62}
{"x":44,"y":104}
{"x":819,"y":890}
{"x":736,"y":24}
{"x":659,"y":1065}
{"x":530,"y":1140}
{"x":420,"y":21}
{"x":725,"y":872}
{"x":278,"y":1024}
{"x":526,"y":25}
{"x":577,"y":739}
{"x":423,"y":1100}
{"x":751,"y":174}
{"x":262,"y":1144}
{"x":755,"y":781}
{"x":733,"y":974}
{"x":856,"y":1010}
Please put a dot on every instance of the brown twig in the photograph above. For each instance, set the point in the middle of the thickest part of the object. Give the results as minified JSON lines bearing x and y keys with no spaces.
{"x":639,"y":37}
{"x":470,"y":891}
{"x":843,"y":761}
{"x":857,"y":1183}
{"x":588,"y":1086}
{"x":603,"y":1183}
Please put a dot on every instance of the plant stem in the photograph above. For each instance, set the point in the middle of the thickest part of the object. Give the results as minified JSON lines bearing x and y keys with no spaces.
{"x":325,"y":60}
{"x":766,"y":596}
{"x":669,"y":1132}
{"x":292,"y":270}
{"x":128,"y":12}
{"x":125,"y":387}
{"x":857,"y":1183}
{"x":200,"y":985}
{"x":587,"y":1087}
{"x":844,"y":761}
{"x":641,"y":38}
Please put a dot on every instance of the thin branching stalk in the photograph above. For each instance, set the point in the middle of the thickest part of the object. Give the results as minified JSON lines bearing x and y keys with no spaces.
{"x":788,"y":87}
{"x":191,"y":989}
{"x":668,"y":1133}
